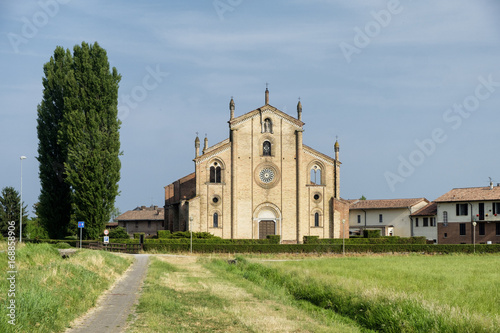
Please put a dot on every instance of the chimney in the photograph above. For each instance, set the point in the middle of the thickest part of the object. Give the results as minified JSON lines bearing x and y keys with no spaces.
{"x":491,"y":185}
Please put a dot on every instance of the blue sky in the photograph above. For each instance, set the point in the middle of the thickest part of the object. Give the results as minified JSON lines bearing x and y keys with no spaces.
{"x":411,"y":88}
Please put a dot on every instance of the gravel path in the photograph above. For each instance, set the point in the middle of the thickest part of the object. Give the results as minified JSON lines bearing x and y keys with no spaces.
{"x":112,"y":311}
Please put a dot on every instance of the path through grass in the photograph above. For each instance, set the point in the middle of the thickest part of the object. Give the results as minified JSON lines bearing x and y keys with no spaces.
{"x":51,"y":291}
{"x":183,"y":295}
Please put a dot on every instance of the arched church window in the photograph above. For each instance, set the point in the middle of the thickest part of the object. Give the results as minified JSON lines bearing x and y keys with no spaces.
{"x":316,"y":219}
{"x":216,"y":220}
{"x":268,"y":126}
{"x":316,"y":175}
{"x":215,"y":173}
{"x":266,"y":148}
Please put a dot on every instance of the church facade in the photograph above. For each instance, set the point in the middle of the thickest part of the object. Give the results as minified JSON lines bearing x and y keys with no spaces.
{"x":260,"y":181}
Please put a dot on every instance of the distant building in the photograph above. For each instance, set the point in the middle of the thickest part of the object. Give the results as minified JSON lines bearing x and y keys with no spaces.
{"x":143,"y":219}
{"x":424,"y":222}
{"x":460,"y":208}
{"x":391,"y":216}
{"x":260,"y":181}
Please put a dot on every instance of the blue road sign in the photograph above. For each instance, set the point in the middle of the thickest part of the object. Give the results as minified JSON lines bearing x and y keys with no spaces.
{"x":81,"y":224}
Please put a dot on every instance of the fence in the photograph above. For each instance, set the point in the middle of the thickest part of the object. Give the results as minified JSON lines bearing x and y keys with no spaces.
{"x":114,"y":247}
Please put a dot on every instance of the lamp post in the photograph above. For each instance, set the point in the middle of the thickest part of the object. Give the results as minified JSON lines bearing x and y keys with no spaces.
{"x":343,"y":237}
{"x":21,"y":204}
{"x":474,"y":234}
{"x":191,"y":232}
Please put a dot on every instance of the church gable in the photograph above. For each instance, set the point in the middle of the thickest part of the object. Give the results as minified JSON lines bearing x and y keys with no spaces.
{"x":263,"y":112}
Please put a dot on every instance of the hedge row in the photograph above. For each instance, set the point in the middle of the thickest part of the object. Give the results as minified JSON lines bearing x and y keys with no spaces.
{"x":319,"y":248}
{"x":379,"y":240}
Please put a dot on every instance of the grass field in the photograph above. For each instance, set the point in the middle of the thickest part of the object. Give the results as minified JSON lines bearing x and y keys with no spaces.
{"x":453,"y":293}
{"x":50,"y":291}
{"x":183,"y":295}
{"x":396,"y":293}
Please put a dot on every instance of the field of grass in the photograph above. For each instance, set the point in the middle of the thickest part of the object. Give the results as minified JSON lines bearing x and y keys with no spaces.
{"x":184,"y":295}
{"x":415,"y":293}
{"x":50,"y":291}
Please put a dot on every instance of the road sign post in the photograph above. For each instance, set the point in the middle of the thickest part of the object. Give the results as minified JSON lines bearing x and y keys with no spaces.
{"x":81,"y":225}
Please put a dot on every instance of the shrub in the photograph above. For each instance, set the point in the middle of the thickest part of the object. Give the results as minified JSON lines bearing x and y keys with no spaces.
{"x":137,"y":235}
{"x":371,"y":233}
{"x":311,"y":240}
{"x":164,"y":234}
{"x":72,"y":237}
{"x":118,"y":232}
{"x":273,"y":239}
{"x":62,"y":245}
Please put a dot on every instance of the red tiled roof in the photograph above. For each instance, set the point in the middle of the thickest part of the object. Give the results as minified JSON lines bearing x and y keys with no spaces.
{"x":471,"y":194}
{"x":429,"y":210}
{"x":143,"y":214}
{"x":386,"y":203}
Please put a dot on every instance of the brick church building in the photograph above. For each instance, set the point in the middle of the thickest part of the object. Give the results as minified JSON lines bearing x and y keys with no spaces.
{"x":260,"y":181}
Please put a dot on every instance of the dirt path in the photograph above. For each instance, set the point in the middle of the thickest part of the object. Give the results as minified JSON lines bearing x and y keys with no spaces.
{"x":112,"y":310}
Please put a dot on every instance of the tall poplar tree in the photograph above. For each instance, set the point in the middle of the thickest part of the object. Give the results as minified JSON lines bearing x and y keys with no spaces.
{"x":54,"y":209}
{"x":88,"y":138}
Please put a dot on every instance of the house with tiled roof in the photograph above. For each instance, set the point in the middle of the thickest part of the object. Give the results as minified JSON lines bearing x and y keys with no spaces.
{"x":423,"y":222}
{"x":391,"y":216}
{"x":467,"y":215}
{"x":143,"y":219}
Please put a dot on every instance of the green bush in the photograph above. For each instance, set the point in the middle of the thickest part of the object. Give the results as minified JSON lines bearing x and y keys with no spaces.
{"x":137,"y":235}
{"x":311,"y":240}
{"x":371,"y":233}
{"x":164,"y":234}
{"x":318,"y":248}
{"x":273,"y":239}
{"x":118,"y":232}
{"x":72,"y":237}
{"x":62,"y":245}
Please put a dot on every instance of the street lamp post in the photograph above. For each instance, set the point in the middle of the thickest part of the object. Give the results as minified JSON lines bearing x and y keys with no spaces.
{"x":191,"y":232}
{"x":343,"y":237}
{"x":474,"y":234}
{"x":21,"y":204}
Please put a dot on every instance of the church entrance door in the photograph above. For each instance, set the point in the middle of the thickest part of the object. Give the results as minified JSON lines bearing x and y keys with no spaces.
{"x":266,"y":228}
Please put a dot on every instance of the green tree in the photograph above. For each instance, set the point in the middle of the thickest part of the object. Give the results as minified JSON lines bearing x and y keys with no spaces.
{"x":54,"y":209}
{"x":34,"y":229}
{"x":362,"y":198}
{"x":87,"y":139}
{"x":10,"y":209}
{"x":118,"y":233}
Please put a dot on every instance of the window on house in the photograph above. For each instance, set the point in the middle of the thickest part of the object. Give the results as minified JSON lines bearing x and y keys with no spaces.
{"x":216,"y":220}
{"x":149,"y":224}
{"x":266,"y":148}
{"x":380,"y":218}
{"x":462,"y":209}
{"x":416,"y":222}
{"x":215,"y":173}
{"x":445,"y":218}
{"x":445,"y":235}
{"x":359,"y":218}
{"x":136,"y":224}
{"x":433,"y":221}
{"x":498,"y":229}
{"x":316,"y":219}
{"x":482,"y":228}
{"x":316,"y":175}
{"x":426,"y":221}
{"x":462,"y":229}
{"x":496,"y":208}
